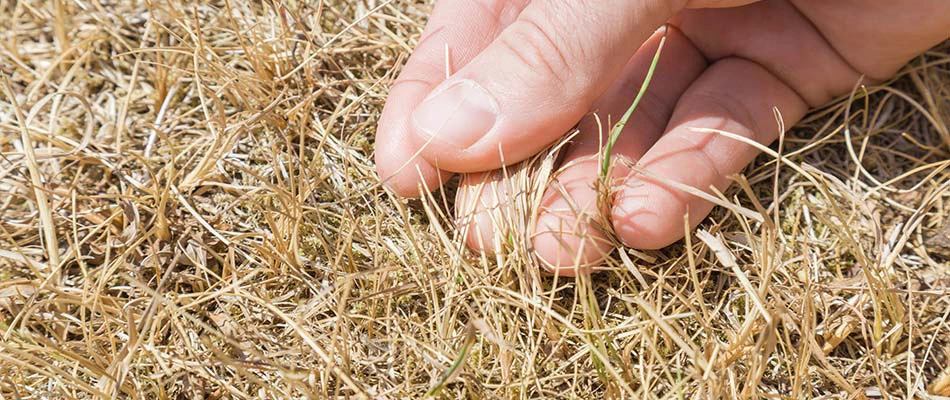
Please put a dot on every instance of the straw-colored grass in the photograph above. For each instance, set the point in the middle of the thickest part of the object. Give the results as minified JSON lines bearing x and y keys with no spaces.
{"x":189,"y":209}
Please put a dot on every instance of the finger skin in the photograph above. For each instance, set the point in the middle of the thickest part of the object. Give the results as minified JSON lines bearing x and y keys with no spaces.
{"x":733,"y":95}
{"x":878,"y":37}
{"x":542,"y":74}
{"x":775,"y":35}
{"x":465,"y":27}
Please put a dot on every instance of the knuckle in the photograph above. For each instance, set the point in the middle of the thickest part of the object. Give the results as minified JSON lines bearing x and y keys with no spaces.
{"x":539,"y":50}
{"x":502,"y":11}
{"x":421,"y":72}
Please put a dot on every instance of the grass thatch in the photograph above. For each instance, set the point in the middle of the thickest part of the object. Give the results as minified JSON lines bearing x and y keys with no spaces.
{"x":188,"y":209}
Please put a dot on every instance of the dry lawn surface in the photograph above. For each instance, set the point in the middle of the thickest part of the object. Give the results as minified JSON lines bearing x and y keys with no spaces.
{"x":189,"y":209}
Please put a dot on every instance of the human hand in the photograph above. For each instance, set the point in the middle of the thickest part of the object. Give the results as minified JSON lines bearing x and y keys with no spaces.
{"x":526,"y":71}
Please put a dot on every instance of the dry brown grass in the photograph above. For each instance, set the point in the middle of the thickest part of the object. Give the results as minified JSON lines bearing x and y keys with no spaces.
{"x":189,"y":210}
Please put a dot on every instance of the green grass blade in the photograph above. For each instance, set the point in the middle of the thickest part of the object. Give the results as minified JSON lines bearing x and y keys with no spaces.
{"x":618,"y":128}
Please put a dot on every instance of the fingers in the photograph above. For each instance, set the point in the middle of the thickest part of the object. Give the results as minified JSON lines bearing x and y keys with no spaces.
{"x":465,"y":27}
{"x":879,"y":37}
{"x":775,"y":35}
{"x":733,"y":95}
{"x":535,"y":81}
{"x":571,"y":229}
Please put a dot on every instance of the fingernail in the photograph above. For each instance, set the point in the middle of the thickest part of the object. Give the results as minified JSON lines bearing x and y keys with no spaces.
{"x":459,"y":114}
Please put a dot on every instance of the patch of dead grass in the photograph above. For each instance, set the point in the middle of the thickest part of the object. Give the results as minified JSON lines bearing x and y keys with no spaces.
{"x":189,"y":209}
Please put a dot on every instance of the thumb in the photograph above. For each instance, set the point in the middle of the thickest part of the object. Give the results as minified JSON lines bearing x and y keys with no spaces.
{"x":534,"y":82}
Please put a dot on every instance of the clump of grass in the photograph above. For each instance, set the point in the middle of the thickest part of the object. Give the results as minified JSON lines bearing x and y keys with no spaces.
{"x":189,"y":209}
